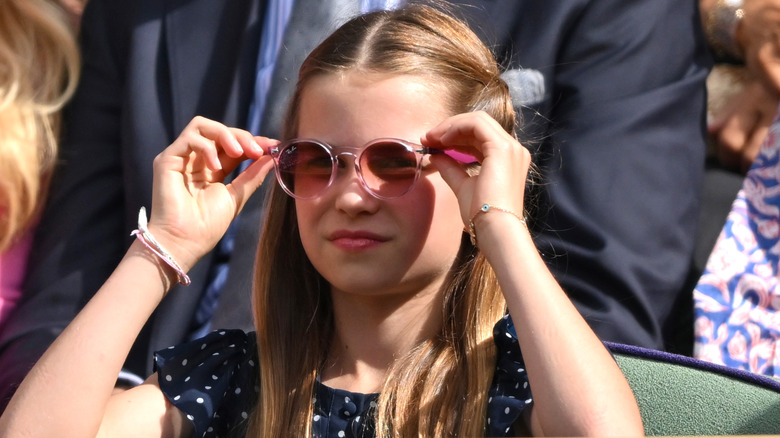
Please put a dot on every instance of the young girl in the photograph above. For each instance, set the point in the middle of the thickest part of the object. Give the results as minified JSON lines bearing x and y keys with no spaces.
{"x":383,"y":276}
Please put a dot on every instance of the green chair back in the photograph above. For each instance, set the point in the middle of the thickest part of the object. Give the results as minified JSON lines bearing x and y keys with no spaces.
{"x":678,"y":395}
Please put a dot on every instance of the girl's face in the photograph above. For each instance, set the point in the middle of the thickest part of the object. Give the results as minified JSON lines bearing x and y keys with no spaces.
{"x":361,"y":244}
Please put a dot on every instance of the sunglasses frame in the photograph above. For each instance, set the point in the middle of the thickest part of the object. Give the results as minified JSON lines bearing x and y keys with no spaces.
{"x":356,"y":153}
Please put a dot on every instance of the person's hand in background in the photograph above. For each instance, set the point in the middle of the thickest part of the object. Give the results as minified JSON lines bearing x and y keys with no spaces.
{"x":740,"y":122}
{"x":758,"y":38}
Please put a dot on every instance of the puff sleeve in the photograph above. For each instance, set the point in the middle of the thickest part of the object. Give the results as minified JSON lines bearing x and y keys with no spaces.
{"x":214,"y":380}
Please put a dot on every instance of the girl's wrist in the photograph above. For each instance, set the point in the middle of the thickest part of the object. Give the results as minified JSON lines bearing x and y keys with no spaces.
{"x":484,"y":210}
{"x":156,"y":248}
{"x":140,"y":252}
{"x":502,"y":236}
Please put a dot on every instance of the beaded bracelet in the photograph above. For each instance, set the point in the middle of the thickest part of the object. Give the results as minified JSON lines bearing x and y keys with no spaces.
{"x":143,"y":234}
{"x":484,"y":209}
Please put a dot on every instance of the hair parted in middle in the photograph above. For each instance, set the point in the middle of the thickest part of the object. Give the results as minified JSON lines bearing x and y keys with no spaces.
{"x":292,"y":301}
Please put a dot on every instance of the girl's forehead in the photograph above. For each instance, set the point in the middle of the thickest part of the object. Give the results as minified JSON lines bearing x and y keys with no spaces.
{"x":352,"y":106}
{"x":420,"y":88}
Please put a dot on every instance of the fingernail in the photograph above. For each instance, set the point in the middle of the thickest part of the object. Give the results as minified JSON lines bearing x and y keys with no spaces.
{"x":257,"y":147}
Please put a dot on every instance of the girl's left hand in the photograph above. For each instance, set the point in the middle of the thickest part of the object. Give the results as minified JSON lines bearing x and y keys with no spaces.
{"x":505,"y":162}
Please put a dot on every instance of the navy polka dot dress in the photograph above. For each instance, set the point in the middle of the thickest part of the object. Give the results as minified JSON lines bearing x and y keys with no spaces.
{"x":214,"y":382}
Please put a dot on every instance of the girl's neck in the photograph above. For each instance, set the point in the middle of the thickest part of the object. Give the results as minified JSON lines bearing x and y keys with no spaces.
{"x":372,"y":332}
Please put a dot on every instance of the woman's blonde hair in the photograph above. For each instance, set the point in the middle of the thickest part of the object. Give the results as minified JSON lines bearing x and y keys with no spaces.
{"x":39,"y":66}
{"x":292,"y":300}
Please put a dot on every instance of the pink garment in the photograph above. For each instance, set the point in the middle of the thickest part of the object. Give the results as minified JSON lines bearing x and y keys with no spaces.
{"x":13,"y":263}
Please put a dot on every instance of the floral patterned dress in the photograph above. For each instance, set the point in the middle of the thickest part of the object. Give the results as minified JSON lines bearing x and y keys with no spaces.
{"x":736,"y":301}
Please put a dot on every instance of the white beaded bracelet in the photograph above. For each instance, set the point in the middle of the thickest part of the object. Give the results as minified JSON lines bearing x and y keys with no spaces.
{"x":143,"y":234}
{"x":484,"y":209}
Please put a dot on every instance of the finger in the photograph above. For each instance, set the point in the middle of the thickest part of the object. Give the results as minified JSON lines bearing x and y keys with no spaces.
{"x":266,"y":143}
{"x":188,"y":149}
{"x":505,"y":161}
{"x":768,"y":58}
{"x":254,"y":148}
{"x":451,"y":171}
{"x":719,"y":120}
{"x":734,"y":132}
{"x":733,"y":137}
{"x":199,"y":136}
{"x":233,"y":146}
{"x":714,"y":127}
{"x":228,"y":142}
{"x":467,"y":132}
{"x":752,"y":147}
{"x":249,"y":147}
{"x":456,"y":177}
{"x":249,"y":180}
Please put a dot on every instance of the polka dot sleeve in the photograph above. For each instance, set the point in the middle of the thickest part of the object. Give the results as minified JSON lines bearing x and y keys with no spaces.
{"x":509,"y":393}
{"x":213,"y":380}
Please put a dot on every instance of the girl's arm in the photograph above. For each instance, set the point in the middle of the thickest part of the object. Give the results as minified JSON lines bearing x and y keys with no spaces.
{"x":69,"y":391}
{"x":578,"y":388}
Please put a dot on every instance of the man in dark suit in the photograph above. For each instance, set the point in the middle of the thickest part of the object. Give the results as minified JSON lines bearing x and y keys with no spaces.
{"x":617,"y":132}
{"x":620,"y":140}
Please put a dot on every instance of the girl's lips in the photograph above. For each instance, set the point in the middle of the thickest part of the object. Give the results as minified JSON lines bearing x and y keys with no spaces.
{"x":356,"y":240}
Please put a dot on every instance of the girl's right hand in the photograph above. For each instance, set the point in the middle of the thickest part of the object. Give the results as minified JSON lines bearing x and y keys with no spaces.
{"x":504,"y":162}
{"x":191,"y":205}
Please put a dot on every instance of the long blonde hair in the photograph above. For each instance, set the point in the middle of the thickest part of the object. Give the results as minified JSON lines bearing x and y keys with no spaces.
{"x":39,"y":66}
{"x":292,"y":303}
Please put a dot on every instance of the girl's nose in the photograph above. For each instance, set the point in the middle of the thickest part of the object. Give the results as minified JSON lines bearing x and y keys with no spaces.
{"x":351,"y":196}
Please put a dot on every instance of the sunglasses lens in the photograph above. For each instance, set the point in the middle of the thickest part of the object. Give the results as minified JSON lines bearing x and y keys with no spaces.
{"x":304,"y":168}
{"x":389,"y":168}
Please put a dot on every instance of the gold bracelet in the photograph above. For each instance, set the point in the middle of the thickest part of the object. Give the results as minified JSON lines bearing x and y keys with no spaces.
{"x":484,"y":209}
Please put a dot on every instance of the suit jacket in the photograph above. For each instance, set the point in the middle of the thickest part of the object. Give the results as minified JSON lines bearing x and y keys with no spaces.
{"x":620,"y":142}
{"x":618,"y":137}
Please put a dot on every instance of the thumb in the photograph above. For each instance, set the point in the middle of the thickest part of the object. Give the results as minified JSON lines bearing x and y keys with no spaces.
{"x":451,"y":171}
{"x":247,"y":182}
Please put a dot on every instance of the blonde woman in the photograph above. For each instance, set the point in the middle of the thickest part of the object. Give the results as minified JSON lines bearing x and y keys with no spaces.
{"x":39,"y":66}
